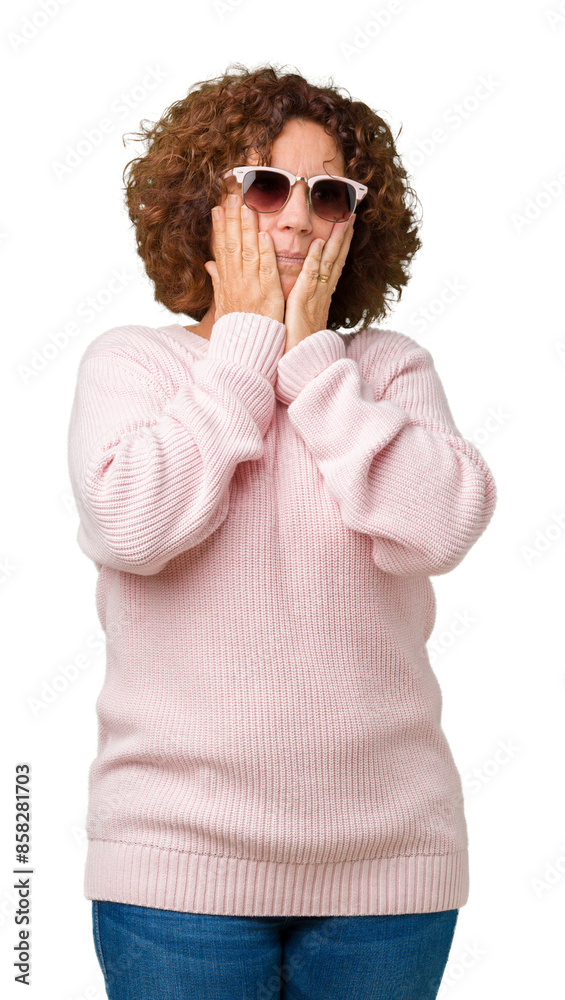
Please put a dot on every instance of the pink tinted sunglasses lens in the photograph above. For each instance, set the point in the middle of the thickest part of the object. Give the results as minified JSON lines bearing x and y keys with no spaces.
{"x":267,"y":191}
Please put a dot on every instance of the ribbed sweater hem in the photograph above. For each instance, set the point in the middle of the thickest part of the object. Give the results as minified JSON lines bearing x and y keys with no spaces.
{"x":200,"y":883}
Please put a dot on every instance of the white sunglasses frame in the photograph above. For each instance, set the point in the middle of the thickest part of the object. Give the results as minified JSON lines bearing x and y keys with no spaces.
{"x":240,"y":172}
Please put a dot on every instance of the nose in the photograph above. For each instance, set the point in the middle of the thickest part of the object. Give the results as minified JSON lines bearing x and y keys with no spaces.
{"x":296,"y":214}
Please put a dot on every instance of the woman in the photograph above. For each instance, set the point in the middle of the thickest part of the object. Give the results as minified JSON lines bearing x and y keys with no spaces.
{"x":265,"y":500}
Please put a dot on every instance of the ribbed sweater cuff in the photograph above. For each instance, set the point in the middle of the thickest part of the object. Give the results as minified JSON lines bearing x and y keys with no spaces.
{"x":248,"y":339}
{"x":200,"y":883}
{"x":306,"y":360}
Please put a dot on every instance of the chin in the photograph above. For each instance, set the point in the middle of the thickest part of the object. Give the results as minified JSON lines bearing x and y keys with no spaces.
{"x":287,"y":284}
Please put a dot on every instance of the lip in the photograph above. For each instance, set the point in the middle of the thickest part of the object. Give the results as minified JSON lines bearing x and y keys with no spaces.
{"x":290,"y":256}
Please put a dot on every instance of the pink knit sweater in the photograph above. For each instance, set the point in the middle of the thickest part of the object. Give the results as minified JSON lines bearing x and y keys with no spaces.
{"x":265,"y":527}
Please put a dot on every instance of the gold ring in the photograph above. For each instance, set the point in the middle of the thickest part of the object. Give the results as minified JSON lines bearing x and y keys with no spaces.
{"x":323,"y":277}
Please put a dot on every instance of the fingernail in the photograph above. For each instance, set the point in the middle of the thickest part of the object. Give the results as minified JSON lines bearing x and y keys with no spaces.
{"x":232,"y":199}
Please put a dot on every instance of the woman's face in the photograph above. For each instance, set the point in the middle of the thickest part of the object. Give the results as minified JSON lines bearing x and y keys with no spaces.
{"x":302,"y":147}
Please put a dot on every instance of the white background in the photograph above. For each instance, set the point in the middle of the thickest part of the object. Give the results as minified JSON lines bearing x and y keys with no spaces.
{"x":488,"y":75}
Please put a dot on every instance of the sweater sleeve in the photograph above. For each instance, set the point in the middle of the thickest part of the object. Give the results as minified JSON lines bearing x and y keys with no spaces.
{"x":389,"y":451}
{"x":150,"y":472}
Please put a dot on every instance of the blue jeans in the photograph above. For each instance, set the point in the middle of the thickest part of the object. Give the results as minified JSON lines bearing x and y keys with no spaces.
{"x":151,"y":954}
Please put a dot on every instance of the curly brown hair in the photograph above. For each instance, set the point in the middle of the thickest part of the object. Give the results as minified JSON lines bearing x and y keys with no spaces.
{"x":170,"y":191}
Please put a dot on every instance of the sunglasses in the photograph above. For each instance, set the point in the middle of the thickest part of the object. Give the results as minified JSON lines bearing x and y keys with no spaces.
{"x":267,"y":189}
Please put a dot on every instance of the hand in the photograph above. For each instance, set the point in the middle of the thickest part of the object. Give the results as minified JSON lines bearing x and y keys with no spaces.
{"x":308,"y":303}
{"x":244,"y":274}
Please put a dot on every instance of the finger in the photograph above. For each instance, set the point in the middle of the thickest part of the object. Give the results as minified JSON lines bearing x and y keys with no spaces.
{"x":211,"y":268}
{"x":348,"y":228}
{"x":314,"y":254}
{"x":344,"y":236}
{"x":267,"y":258}
{"x":218,"y":223}
{"x":342,"y":232}
{"x":232,"y":245}
{"x":311,"y":266}
{"x":249,"y":248}
{"x":269,"y":278}
{"x":342,"y":229}
{"x":344,"y":245}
